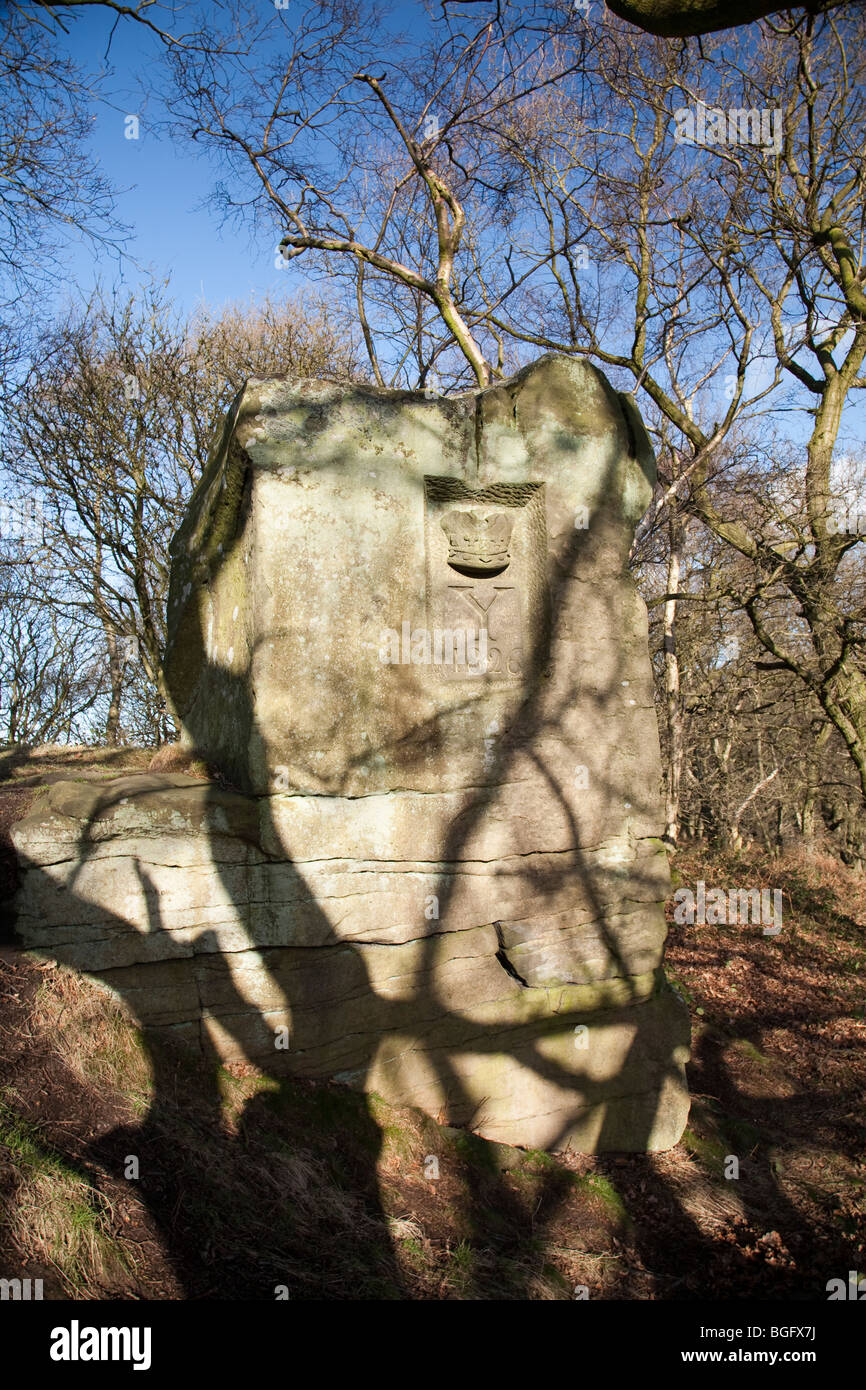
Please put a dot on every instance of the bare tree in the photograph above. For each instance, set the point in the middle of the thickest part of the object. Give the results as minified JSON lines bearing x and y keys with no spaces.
{"x":529,"y":181}
{"x":49,"y":181}
{"x":52,"y":676}
{"x":51,"y":185}
{"x":678,"y":18}
{"x":740,"y":289}
{"x":112,"y":430}
{"x":365,"y":174}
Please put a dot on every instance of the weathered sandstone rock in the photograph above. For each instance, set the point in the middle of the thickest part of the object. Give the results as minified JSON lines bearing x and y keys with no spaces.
{"x":438,"y":879}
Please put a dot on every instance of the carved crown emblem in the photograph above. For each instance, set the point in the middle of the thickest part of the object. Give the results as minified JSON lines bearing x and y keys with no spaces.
{"x":477,"y":543}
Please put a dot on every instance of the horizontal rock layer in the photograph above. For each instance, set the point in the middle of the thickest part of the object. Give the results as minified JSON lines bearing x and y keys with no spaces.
{"x":392,"y":975}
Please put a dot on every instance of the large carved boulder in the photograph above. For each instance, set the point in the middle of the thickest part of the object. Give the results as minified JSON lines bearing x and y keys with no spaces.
{"x":404,"y":629}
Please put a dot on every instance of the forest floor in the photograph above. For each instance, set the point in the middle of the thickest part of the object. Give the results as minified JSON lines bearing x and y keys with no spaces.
{"x":310,"y":1190}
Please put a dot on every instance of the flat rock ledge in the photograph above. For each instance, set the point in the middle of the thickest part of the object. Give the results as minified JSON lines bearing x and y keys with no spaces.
{"x":321,"y":937}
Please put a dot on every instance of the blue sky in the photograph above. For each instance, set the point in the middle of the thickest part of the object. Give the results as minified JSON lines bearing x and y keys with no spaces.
{"x":161,"y":186}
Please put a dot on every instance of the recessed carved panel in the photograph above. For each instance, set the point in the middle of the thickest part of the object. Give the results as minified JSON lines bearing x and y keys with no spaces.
{"x":486,"y":579}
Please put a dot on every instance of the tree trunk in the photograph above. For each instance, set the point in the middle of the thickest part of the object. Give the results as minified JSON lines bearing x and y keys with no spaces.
{"x":115,"y":676}
{"x":673,"y":700}
{"x":809,"y":815}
